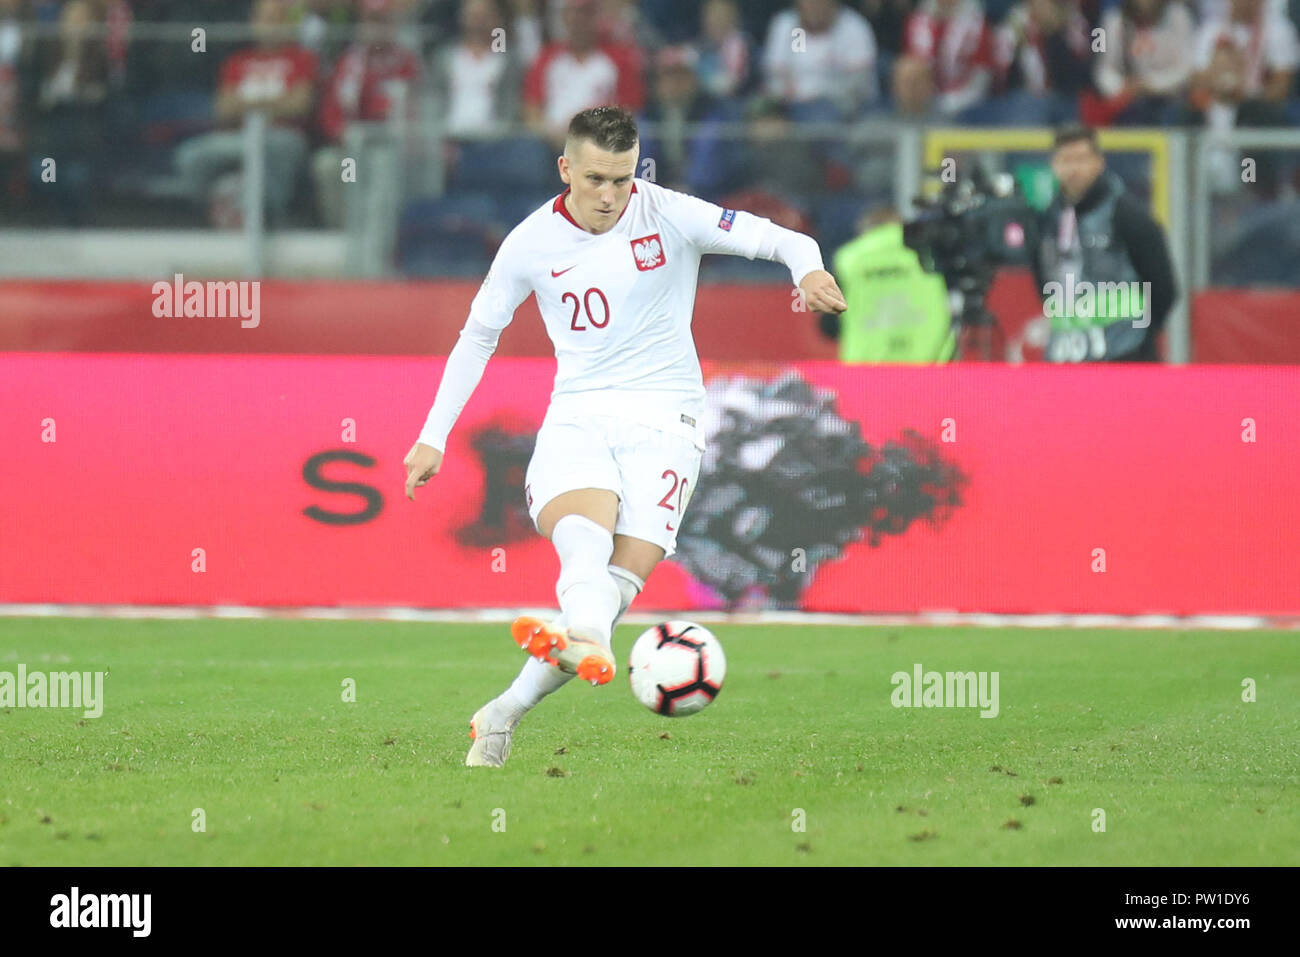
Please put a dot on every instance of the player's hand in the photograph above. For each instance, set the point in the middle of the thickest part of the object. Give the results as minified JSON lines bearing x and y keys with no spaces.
{"x":821,"y":293}
{"x":422,"y":463}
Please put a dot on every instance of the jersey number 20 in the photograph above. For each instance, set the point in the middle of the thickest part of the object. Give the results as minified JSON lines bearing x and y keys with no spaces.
{"x":585,"y":306}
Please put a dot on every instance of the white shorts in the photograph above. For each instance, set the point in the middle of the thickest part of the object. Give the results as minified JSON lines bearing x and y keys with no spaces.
{"x":653,"y":472}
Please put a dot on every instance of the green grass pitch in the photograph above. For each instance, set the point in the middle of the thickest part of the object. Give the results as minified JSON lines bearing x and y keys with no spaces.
{"x":245,"y":719}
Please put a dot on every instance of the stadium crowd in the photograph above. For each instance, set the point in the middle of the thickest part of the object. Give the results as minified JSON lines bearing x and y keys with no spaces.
{"x":150,"y":113}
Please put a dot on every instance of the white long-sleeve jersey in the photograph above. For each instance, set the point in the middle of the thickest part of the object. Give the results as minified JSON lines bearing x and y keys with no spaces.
{"x":618,"y":306}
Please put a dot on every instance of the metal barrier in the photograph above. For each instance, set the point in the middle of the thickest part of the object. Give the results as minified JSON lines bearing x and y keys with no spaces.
{"x":1201,"y":192}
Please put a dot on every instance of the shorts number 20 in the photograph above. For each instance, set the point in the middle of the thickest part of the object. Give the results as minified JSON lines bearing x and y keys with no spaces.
{"x":678,"y":486}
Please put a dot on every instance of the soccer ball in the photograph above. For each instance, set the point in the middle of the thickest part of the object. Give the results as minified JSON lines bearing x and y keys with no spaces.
{"x":676,"y":668}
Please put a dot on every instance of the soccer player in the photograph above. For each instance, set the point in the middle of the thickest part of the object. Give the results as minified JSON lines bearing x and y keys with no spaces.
{"x":614,"y":261}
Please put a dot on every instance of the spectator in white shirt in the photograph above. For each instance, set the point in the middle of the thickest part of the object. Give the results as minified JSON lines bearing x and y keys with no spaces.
{"x":583,"y":71}
{"x":476,"y":79}
{"x":820,"y":60}
{"x":1246,"y":65}
{"x":1143,"y":73}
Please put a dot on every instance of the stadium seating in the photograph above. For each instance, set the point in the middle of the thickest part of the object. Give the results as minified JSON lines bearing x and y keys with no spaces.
{"x":454,"y":235}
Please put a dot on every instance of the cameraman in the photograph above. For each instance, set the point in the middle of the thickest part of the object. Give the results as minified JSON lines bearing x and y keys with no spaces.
{"x":1100,"y":263}
{"x":897,"y":312}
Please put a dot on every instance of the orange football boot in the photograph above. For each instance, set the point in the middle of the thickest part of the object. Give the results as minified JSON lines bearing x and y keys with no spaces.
{"x":589,"y":660}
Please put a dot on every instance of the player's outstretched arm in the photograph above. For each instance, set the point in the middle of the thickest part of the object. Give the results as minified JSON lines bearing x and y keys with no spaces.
{"x":800,"y":253}
{"x":503,"y":289}
{"x":461,"y":375}
{"x":739,"y":233}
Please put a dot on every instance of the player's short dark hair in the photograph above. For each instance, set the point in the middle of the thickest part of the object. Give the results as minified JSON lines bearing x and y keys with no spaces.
{"x":1076,"y":133}
{"x":610,"y":128}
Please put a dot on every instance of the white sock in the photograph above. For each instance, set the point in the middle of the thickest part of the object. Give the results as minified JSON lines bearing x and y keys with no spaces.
{"x":589,"y":595}
{"x":629,"y":586}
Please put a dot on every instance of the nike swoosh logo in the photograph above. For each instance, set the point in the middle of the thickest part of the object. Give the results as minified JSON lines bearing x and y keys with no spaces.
{"x":562,"y":271}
